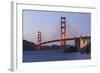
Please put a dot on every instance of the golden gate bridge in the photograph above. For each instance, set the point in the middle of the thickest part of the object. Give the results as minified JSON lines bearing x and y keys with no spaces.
{"x":79,"y":40}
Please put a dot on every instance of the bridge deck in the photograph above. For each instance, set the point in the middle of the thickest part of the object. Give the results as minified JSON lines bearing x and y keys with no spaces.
{"x":73,"y":38}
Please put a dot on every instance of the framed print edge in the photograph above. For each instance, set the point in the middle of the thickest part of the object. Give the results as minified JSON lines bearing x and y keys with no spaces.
{"x":16,"y":36}
{"x":13,"y":37}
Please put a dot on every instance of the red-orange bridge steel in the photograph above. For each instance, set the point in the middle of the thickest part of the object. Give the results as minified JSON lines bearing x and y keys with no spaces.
{"x":73,"y":38}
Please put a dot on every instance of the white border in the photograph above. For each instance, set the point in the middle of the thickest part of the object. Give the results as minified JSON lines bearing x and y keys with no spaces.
{"x":17,"y":38}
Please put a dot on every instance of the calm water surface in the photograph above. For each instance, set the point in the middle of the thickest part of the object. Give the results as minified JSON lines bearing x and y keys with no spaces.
{"x":54,"y":55}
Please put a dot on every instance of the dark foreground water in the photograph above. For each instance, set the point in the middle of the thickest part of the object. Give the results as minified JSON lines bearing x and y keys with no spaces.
{"x":38,"y":56}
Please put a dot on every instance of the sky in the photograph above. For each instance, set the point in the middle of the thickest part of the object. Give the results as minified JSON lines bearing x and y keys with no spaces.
{"x":49,"y":24}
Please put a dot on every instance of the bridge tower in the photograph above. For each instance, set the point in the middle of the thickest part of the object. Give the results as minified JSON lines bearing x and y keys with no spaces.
{"x":39,"y":40}
{"x":63,"y":32}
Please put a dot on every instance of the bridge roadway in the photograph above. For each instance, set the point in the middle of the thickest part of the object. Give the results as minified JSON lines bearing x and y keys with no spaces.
{"x":73,"y":38}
